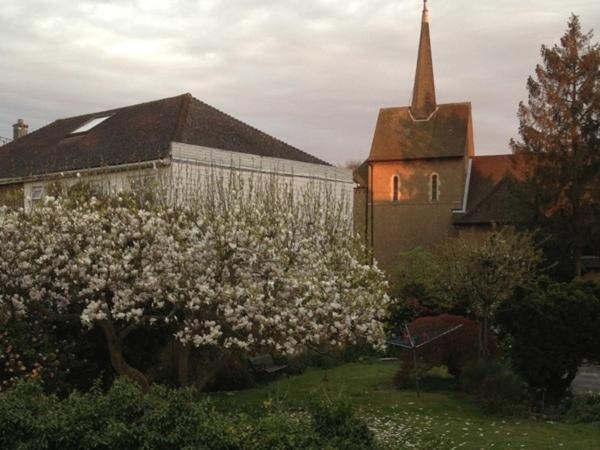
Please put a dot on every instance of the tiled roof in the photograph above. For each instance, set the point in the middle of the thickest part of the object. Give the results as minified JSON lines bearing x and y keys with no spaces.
{"x":448,"y":133}
{"x":135,"y":134}
{"x":361,"y":174}
{"x":493,"y":194}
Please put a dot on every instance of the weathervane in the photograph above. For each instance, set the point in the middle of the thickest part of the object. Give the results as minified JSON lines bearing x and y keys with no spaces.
{"x":425,"y":12}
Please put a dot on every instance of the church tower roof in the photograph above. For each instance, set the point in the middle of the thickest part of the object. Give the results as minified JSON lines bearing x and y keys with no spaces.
{"x":423,"y":98}
{"x":424,"y":129}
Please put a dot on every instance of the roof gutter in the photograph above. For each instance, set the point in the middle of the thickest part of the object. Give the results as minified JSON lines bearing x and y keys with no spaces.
{"x":90,"y":171}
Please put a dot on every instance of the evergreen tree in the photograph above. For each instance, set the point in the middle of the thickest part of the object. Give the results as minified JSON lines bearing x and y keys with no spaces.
{"x":560,"y":142}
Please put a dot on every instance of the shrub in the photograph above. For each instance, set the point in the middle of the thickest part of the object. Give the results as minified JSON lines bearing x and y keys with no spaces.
{"x":335,"y":420}
{"x":453,"y":350}
{"x":494,"y":385}
{"x":126,"y":417}
{"x":403,"y":310}
{"x":501,"y":392}
{"x":585,"y":408}
{"x":553,"y":327}
{"x":280,"y":431}
{"x":56,"y":354}
{"x":475,"y":372}
{"x":297,"y":364}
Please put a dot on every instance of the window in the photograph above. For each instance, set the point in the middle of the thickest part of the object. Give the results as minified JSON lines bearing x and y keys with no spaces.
{"x":37,"y":193}
{"x":396,"y":188}
{"x":434,"y":187}
{"x":87,"y":126}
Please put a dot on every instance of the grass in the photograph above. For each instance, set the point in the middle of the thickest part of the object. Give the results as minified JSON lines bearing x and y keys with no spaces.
{"x":440,"y":410}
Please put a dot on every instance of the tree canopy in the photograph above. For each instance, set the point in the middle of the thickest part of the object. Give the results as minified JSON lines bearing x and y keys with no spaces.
{"x":473,"y":276}
{"x":247,"y":266}
{"x":560,"y":144}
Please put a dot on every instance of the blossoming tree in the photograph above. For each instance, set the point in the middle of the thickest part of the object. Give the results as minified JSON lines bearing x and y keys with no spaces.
{"x":246,"y":265}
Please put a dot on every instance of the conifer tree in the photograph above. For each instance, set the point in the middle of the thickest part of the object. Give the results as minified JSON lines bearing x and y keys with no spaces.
{"x":560,"y":141}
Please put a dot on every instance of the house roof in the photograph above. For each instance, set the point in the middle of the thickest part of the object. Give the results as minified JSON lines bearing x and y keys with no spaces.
{"x":447,"y":133}
{"x":360,"y":175}
{"x":137,"y":133}
{"x":493,"y":194}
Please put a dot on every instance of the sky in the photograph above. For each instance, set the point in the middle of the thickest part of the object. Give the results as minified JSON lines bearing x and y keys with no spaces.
{"x":312,"y":73}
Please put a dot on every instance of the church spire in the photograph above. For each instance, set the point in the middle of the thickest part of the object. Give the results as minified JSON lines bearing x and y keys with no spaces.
{"x":423,"y":99}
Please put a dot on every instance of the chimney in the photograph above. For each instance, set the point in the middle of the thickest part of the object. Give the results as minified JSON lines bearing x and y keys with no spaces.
{"x":20,"y":129}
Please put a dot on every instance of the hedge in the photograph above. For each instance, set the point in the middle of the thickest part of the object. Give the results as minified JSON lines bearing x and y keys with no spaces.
{"x":127,"y":418}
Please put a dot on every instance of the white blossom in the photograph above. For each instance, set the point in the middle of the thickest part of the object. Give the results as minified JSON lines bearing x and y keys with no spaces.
{"x":245,"y":267}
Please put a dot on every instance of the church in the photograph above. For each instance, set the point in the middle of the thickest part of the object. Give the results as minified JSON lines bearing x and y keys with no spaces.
{"x":422,"y":181}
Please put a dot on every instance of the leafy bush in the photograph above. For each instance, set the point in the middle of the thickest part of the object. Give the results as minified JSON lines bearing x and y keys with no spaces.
{"x":585,"y":408}
{"x":279,"y":431}
{"x":494,"y":385}
{"x":403,"y":310}
{"x":127,"y":418}
{"x":502,"y":392}
{"x":553,"y":327}
{"x":56,"y":354}
{"x":474,"y":374}
{"x":452,"y":350}
{"x":124,"y":418}
{"x":335,"y":420}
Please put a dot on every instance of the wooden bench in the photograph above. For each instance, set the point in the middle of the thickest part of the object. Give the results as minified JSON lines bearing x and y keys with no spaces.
{"x":265,"y":363}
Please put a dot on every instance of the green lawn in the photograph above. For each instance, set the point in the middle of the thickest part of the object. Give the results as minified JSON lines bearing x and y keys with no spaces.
{"x":445,"y":413}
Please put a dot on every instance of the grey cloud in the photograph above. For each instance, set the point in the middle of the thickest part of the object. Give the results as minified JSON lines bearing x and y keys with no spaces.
{"x":312,"y":72}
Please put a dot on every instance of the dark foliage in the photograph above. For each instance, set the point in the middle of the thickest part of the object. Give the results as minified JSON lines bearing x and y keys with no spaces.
{"x":62,"y":355}
{"x":494,"y":385}
{"x":232,"y":374}
{"x":404,"y":309}
{"x":585,"y":409}
{"x":553,"y":327}
{"x":335,"y":420}
{"x":559,"y":137}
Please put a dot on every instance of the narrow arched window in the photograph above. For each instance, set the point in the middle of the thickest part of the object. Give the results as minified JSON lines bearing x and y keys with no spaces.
{"x":434,"y":187}
{"x":396,"y":188}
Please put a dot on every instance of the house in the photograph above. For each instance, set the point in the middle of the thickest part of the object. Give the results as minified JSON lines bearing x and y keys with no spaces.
{"x":175,"y":139}
{"x":423,"y":181}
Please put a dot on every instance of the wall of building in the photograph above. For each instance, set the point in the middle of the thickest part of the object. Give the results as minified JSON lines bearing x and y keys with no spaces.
{"x":474,"y":232}
{"x":415,"y":220}
{"x":192,"y":165}
{"x":11,"y":195}
{"x":103,"y":181}
{"x":359,"y":211}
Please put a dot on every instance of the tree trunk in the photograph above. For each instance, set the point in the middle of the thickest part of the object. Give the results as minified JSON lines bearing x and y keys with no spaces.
{"x":578,"y":250}
{"x":118,"y":360}
{"x":183,"y":364}
{"x":480,"y":339}
{"x":485,"y":336}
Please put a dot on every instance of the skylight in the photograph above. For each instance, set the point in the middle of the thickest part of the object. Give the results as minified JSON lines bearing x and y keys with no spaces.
{"x":90,"y":124}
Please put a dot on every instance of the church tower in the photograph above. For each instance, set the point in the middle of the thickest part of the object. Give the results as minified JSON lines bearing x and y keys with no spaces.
{"x":414,"y":177}
{"x":423,"y":98}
